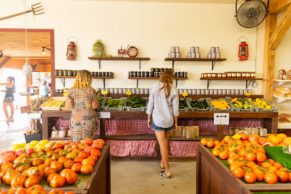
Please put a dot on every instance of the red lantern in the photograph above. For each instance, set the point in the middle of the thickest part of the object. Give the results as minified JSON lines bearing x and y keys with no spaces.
{"x":243,"y":51}
{"x":71,"y":51}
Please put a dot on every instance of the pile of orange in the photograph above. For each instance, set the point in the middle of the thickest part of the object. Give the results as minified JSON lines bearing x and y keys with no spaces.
{"x":247,"y":159}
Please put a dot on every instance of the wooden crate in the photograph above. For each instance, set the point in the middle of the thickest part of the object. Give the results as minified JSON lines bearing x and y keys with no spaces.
{"x":213,"y":177}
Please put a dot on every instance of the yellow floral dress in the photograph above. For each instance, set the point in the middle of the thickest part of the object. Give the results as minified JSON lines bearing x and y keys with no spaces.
{"x":83,"y":118}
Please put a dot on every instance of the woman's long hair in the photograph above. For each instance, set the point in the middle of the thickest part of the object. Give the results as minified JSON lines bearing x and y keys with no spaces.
{"x":166,"y":78}
{"x":83,"y":80}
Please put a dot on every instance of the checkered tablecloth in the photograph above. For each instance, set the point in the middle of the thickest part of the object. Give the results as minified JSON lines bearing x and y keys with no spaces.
{"x":132,"y":148}
{"x":183,"y":148}
{"x":127,"y":127}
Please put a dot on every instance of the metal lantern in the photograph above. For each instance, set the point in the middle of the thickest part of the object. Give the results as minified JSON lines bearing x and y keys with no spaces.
{"x":71,"y":51}
{"x":243,"y":51}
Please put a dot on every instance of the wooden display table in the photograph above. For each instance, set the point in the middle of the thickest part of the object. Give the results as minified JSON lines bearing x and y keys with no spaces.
{"x":213,"y":177}
{"x":269,"y":119}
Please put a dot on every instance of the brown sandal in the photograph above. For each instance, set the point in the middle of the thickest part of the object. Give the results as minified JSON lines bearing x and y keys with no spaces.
{"x":165,"y":174}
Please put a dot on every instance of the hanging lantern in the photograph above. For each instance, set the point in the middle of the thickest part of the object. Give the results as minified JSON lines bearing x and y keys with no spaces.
{"x":71,"y":51}
{"x":243,"y":51}
{"x":27,"y":69}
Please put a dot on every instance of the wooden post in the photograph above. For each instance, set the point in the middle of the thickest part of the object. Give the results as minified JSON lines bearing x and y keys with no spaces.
{"x":269,"y":56}
{"x":281,"y":29}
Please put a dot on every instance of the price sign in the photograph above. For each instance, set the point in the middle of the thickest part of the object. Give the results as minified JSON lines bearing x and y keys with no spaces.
{"x":104,"y":92}
{"x":184,"y":94}
{"x":221,"y":118}
{"x":105,"y":115}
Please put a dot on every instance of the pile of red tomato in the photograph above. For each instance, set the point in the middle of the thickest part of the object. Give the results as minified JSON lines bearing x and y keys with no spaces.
{"x":59,"y":163}
{"x":247,"y":159}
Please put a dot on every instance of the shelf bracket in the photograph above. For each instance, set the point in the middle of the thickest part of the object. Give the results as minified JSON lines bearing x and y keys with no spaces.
{"x":99,"y":63}
{"x":104,"y":82}
{"x":213,"y":65}
{"x":208,"y":83}
{"x":173,"y":65}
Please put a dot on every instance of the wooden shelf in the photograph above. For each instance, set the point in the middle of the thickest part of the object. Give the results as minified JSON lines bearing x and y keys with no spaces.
{"x":69,"y":138}
{"x":280,"y":99}
{"x":280,"y":82}
{"x":230,"y":78}
{"x":154,"y":78}
{"x":120,"y":58}
{"x":93,"y":77}
{"x":248,"y":80}
{"x":195,"y":60}
{"x":99,"y":59}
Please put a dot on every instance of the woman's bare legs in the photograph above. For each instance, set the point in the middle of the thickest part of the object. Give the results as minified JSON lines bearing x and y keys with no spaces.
{"x":11,"y":105}
{"x":163,"y":139}
{"x":5,"y":106}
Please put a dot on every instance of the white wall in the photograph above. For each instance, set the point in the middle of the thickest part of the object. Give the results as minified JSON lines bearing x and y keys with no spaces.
{"x":153,"y":28}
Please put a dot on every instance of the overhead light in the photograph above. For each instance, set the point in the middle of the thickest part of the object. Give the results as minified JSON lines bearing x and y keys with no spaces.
{"x":45,"y":48}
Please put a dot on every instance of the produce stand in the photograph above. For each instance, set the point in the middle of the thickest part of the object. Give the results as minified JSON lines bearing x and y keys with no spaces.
{"x":129,"y":136}
{"x":213,"y":176}
{"x":270,"y":119}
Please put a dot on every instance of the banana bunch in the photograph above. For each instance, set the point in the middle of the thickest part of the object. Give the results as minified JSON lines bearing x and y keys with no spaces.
{"x":242,"y":103}
{"x":262,"y":104}
{"x":220,"y":104}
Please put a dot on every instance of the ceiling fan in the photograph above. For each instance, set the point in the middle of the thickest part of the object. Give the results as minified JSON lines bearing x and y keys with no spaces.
{"x":251,"y":13}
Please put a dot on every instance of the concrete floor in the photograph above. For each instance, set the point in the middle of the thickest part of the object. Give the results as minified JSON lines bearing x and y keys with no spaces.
{"x":141,"y":177}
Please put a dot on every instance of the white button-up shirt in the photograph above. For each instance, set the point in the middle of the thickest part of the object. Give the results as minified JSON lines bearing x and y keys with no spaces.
{"x":163,"y":109}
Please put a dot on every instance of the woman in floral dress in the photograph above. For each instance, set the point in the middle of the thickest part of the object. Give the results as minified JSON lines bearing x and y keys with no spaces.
{"x":83,"y":100}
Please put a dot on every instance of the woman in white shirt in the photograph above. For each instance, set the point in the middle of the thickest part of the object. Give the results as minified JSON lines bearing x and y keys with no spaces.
{"x":163,"y":111}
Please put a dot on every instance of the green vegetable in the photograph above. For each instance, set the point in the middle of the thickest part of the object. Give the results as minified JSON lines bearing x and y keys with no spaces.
{"x":115,"y":103}
{"x":135,"y":102}
{"x":199,"y":104}
{"x":182,"y":104}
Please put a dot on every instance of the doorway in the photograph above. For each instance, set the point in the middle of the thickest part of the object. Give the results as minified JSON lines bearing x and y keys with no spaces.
{"x":40,"y":54}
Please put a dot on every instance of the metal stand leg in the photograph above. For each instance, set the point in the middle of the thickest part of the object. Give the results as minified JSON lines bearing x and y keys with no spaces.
{"x":104,"y":83}
{"x":176,"y":83}
{"x":136,"y":83}
{"x":213,"y":64}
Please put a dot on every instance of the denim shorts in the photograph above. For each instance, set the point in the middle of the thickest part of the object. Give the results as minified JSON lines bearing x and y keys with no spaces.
{"x":156,"y":128}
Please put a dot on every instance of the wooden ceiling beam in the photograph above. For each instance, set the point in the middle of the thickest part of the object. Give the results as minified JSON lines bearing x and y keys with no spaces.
{"x":4,"y":60}
{"x":281,"y":29}
{"x":277,"y":6}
